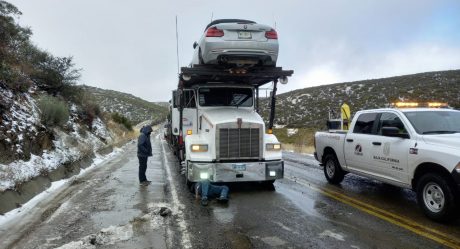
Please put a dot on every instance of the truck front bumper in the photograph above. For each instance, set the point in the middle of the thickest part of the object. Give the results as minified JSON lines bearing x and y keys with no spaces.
{"x":235,"y":171}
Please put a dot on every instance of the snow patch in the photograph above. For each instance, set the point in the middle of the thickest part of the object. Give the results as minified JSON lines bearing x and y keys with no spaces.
{"x":328,"y":233}
{"x":107,"y":236}
{"x":114,"y":234}
{"x":273,"y":241}
{"x":68,"y":148}
{"x":291,"y":132}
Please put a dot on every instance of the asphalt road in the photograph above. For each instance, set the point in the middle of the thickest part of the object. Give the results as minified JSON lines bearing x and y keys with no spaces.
{"x":106,"y":208}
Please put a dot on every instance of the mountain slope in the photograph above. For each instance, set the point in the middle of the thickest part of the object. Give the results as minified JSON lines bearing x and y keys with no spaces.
{"x":134,"y":108}
{"x":310,"y":107}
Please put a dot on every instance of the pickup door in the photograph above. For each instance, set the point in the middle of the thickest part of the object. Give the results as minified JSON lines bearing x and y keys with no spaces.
{"x":372,"y":153}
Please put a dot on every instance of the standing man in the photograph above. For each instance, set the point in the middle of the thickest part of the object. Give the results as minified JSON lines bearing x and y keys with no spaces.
{"x":144,"y":150}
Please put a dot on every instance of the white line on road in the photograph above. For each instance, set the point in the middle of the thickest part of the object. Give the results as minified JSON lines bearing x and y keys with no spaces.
{"x":177,"y":205}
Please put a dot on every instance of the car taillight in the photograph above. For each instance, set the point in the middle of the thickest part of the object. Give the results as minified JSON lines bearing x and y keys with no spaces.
{"x":271,"y":34}
{"x":214,"y":32}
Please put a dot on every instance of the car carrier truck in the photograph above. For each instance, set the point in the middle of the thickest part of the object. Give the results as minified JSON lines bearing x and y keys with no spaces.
{"x":217,"y":132}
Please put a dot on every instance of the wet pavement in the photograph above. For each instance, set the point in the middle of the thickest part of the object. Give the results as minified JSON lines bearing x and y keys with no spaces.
{"x":107,"y":208}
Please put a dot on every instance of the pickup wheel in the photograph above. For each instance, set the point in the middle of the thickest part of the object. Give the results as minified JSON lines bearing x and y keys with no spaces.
{"x":332,"y":170}
{"x":436,"y":196}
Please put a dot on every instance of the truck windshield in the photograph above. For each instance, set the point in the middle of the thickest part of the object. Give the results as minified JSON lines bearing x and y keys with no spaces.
{"x":225,"y":96}
{"x":435,"y":122}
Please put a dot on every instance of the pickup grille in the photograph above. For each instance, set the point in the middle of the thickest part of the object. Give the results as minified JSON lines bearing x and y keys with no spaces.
{"x":237,"y":143}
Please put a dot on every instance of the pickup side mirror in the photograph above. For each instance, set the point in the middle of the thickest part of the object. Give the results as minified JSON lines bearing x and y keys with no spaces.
{"x":195,"y":44}
{"x":393,"y":132}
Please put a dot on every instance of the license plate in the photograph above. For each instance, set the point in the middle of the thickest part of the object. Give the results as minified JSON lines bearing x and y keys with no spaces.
{"x":244,"y":35}
{"x":239,"y":167}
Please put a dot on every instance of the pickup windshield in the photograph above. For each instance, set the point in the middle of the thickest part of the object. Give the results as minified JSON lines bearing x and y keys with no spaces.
{"x":225,"y":96}
{"x":435,"y":122}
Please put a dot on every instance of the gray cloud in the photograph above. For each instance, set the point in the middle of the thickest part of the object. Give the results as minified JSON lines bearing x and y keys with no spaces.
{"x":130,"y":46}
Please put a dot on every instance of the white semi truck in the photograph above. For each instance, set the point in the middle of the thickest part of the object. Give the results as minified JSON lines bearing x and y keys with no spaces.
{"x":416,"y":148}
{"x":217,"y":132}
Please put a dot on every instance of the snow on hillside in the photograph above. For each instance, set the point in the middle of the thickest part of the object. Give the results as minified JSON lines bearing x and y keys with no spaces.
{"x":134,"y":108}
{"x":310,"y":107}
{"x":24,"y":140}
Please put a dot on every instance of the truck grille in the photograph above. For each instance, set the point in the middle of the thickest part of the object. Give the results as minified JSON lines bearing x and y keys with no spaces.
{"x":237,"y":143}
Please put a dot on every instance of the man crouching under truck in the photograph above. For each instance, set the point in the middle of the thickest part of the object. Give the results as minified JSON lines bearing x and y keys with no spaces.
{"x":207,"y":191}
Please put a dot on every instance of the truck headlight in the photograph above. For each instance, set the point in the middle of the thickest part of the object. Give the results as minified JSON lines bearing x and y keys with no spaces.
{"x":204,"y":175}
{"x":199,"y":147}
{"x":275,"y":147}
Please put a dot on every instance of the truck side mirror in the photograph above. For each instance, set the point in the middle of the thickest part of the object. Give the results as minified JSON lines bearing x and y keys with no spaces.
{"x":195,"y":44}
{"x":393,"y":132}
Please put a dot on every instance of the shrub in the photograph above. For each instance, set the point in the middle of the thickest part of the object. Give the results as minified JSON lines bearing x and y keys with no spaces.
{"x":54,"y":112}
{"x":122,"y":120}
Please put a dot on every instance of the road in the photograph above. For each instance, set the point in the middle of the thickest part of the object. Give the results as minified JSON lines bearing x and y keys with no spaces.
{"x":106,"y":208}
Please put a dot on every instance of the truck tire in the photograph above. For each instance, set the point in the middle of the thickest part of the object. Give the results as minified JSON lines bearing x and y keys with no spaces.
{"x":268,"y":185}
{"x":332,"y":170}
{"x":437,"y":197}
{"x":181,"y":155}
{"x":188,"y":183}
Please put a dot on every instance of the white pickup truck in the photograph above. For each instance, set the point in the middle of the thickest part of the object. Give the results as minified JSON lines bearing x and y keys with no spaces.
{"x":417,"y":148}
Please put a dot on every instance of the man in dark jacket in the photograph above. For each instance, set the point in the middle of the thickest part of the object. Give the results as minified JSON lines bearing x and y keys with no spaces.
{"x":144,"y":150}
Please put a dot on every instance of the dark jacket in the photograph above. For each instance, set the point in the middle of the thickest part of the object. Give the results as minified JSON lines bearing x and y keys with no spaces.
{"x":144,"y":147}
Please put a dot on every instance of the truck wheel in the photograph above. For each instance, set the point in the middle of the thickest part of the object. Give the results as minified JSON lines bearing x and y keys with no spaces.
{"x":268,"y":185}
{"x":436,"y":197}
{"x":332,"y":170}
{"x":181,"y":155}
{"x":188,"y":183}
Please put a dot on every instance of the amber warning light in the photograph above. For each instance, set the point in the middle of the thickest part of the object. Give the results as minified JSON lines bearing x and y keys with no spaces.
{"x":437,"y":104}
{"x":405,"y":104}
{"x":415,"y":104}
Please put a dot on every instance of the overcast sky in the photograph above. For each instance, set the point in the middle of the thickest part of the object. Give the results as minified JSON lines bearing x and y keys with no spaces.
{"x":130,"y":46}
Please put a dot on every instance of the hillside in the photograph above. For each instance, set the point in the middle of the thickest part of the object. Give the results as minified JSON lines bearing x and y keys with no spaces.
{"x":134,"y":108}
{"x":309,"y":107}
{"x":48,"y":124}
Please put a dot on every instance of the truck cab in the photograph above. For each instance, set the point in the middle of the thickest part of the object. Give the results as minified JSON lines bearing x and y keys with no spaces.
{"x":220,"y":136}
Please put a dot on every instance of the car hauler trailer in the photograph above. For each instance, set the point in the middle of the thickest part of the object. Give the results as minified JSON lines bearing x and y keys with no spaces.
{"x":217,"y":131}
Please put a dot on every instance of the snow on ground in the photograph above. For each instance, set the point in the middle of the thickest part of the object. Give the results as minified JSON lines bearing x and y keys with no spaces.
{"x":68,"y":148}
{"x":330,"y":234}
{"x":113,"y":234}
{"x":55,"y":186}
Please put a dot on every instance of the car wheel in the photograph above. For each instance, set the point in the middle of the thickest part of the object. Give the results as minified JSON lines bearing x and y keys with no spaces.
{"x":436,"y":197}
{"x":332,"y":170}
{"x":200,"y":57}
